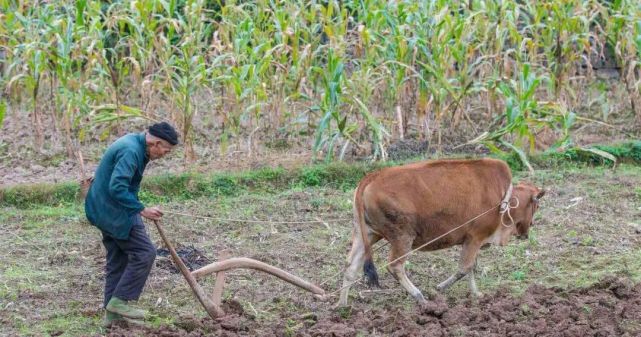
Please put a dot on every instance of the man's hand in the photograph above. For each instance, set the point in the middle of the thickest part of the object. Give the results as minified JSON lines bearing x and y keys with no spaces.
{"x":152,"y":213}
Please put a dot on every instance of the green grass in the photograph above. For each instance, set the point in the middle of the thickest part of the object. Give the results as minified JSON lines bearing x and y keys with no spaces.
{"x":339,"y":175}
{"x":18,"y":278}
{"x":67,"y":325}
{"x":39,"y":194}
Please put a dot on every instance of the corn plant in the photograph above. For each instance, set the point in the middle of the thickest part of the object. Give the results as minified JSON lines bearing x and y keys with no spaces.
{"x":31,"y":59}
{"x":334,"y":71}
{"x":187,"y":69}
{"x":524,"y":116}
{"x":624,"y":34}
{"x":332,"y":79}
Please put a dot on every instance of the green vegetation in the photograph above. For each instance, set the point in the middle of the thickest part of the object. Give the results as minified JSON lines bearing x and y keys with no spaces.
{"x":345,"y":73}
{"x":185,"y":186}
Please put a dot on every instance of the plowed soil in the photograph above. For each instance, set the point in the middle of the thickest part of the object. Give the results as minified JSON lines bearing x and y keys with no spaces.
{"x":611,"y":307}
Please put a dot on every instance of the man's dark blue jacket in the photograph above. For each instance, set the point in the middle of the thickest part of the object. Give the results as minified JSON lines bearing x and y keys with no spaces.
{"x":112,"y":200}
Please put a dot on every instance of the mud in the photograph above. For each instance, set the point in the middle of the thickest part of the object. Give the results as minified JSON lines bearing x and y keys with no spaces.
{"x":611,"y":307}
{"x":191,"y":256}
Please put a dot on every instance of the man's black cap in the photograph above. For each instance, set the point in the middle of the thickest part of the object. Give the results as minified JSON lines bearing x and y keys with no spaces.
{"x":164,"y":130}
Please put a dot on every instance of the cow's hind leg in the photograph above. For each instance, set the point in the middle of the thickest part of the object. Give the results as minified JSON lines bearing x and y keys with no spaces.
{"x":355,"y":261}
{"x":466,"y":266}
{"x":397,"y":261}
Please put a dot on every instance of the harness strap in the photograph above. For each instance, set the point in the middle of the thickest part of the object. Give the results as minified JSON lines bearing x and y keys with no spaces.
{"x":505,"y":203}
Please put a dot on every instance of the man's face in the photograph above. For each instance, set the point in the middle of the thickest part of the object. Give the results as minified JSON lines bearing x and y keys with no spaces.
{"x":159,"y":148}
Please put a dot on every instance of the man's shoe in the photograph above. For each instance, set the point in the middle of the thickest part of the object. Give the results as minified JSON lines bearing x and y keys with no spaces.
{"x":121,"y":308}
{"x":111,"y":318}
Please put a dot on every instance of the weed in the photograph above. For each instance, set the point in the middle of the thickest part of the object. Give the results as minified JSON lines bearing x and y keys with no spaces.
{"x":291,"y":326}
{"x":345,"y":312}
{"x":519,"y":275}
{"x":587,"y":240}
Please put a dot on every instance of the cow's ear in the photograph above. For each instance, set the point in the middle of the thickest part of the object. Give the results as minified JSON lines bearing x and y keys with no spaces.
{"x":538,"y":196}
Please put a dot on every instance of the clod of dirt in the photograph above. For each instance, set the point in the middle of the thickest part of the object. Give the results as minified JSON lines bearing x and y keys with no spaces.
{"x":621,"y":288}
{"x":191,"y":323}
{"x":435,"y":307}
{"x":232,"y":307}
{"x":58,"y":258}
{"x":192,"y":257}
{"x":331,"y":329}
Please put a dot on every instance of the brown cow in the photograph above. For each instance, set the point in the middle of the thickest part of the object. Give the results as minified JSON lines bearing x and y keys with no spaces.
{"x":413,"y":204}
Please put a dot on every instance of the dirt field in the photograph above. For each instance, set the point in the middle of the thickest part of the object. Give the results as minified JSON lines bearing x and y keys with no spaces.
{"x":609,"y":308}
{"x":577,"y":275}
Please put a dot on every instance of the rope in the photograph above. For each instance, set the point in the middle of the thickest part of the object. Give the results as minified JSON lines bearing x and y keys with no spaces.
{"x":419,"y":248}
{"x":507,"y":210}
{"x":254,"y":221}
{"x":505,"y":203}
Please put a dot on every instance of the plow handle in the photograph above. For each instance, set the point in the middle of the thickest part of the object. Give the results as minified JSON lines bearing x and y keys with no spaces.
{"x":212,"y":309}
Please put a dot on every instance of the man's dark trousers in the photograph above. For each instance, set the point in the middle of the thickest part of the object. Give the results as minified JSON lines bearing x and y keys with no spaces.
{"x":128,"y":263}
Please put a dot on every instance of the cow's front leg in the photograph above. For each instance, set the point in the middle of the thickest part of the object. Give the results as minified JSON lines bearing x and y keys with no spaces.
{"x":397,"y":258}
{"x":475,"y":291}
{"x":475,"y":271}
{"x":466,"y":266}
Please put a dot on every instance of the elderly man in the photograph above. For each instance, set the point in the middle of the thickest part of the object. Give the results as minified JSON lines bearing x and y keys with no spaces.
{"x":112,"y":205}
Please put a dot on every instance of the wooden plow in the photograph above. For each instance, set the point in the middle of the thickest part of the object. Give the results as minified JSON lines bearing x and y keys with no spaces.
{"x":212,"y":304}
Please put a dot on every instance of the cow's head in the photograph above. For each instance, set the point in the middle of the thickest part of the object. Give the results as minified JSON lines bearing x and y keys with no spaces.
{"x":529,"y":197}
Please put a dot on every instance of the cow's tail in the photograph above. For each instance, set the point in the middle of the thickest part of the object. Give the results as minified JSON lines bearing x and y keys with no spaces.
{"x":369,"y":269}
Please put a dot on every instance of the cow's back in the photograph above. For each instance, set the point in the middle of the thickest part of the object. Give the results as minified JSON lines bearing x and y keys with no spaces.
{"x":427,"y":199}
